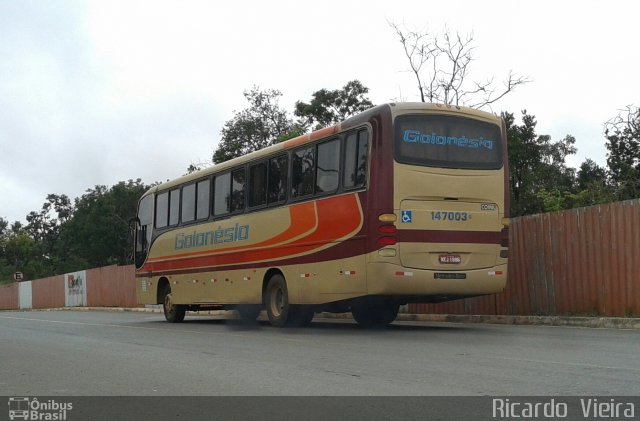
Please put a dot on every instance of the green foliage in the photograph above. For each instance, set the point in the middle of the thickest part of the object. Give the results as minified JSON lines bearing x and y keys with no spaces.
{"x":22,"y":253}
{"x":330,"y":107}
{"x":536,"y":166}
{"x":63,"y":237}
{"x":552,"y":201}
{"x":260,"y":125}
{"x":592,"y":186}
{"x":296,"y":130}
{"x":98,"y":234}
{"x":540,"y":179}
{"x":623,"y":142}
{"x":265,"y":123}
{"x":11,"y":250}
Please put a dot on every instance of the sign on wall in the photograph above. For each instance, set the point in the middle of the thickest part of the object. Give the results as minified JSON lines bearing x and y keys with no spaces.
{"x":75,"y":289}
{"x":25,"y":295}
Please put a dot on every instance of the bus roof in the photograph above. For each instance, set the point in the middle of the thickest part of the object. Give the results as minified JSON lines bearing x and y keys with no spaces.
{"x":352,"y":122}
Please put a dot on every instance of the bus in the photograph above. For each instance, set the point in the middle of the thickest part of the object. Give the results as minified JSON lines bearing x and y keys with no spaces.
{"x":403,"y":203}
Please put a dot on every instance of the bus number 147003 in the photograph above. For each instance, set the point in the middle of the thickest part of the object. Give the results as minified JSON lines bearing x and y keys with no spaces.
{"x":449,"y":216}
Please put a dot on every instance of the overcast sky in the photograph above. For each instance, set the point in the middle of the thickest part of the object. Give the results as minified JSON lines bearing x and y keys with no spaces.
{"x":95,"y":92}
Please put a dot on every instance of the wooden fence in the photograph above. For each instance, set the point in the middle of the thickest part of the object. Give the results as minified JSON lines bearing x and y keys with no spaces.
{"x":584,"y":261}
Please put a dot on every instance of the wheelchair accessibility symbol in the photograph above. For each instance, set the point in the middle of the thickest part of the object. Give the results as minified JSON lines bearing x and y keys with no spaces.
{"x":406,"y":217}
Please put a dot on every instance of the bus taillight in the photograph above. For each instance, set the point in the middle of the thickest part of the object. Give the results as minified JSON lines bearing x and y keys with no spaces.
{"x":388,"y":232}
{"x":387,"y":241}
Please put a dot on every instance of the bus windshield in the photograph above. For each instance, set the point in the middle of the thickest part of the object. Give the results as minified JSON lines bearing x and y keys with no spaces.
{"x":447,"y":142}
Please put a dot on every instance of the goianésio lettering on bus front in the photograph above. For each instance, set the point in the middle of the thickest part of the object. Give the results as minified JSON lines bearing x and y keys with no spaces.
{"x":414,"y":136}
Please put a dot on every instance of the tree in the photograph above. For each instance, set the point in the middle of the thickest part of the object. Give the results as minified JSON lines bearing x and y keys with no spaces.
{"x":23,"y":253}
{"x":441,"y":66}
{"x":260,"y":125}
{"x":328,"y":107}
{"x":592,"y":186}
{"x":98,"y":233}
{"x":63,"y":237}
{"x":44,"y":226}
{"x":623,"y":142}
{"x":4,"y":236}
{"x":20,"y":252}
{"x":590,"y":173}
{"x":33,"y":248}
{"x":538,"y":175}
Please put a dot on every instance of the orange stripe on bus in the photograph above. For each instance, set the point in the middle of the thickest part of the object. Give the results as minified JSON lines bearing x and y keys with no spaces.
{"x":338,"y":219}
{"x":303,"y":219}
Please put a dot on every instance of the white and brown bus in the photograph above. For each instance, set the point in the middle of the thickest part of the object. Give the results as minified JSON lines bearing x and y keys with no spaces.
{"x":402,"y":203}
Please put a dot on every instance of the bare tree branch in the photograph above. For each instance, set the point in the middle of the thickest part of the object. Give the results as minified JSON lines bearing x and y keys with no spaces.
{"x":418,"y":49}
{"x":448,"y":76}
{"x":510,"y":84}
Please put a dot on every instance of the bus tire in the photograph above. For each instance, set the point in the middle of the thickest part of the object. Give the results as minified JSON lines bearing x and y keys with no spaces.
{"x":375,"y":313}
{"x":276,"y":300}
{"x":173,"y":313}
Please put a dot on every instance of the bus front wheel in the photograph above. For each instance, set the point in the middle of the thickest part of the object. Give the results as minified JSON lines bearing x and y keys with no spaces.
{"x":174,"y":313}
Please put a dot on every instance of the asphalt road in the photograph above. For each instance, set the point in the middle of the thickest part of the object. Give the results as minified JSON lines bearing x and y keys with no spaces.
{"x":80,"y":353}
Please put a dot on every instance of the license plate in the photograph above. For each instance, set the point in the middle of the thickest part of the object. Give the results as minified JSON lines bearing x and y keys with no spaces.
{"x":450,"y":259}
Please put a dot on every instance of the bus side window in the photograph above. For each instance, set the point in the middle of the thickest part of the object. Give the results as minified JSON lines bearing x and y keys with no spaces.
{"x":202,"y":204}
{"x":189,"y":203}
{"x":303,"y":166}
{"x":162,"y":210}
{"x":222,"y":194}
{"x":237,"y":190}
{"x":174,"y":207}
{"x":363,"y":157}
{"x":258,"y":184}
{"x":278,"y":176}
{"x":328,"y":169}
{"x":355,"y":160}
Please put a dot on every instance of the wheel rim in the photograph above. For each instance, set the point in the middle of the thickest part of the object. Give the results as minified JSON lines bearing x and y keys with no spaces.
{"x":277,"y":302}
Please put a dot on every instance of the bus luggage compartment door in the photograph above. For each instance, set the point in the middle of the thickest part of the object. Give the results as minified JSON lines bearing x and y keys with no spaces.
{"x":448,"y":234}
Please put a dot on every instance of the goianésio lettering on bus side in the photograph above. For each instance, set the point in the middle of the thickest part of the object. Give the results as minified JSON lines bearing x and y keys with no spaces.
{"x":218,"y":236}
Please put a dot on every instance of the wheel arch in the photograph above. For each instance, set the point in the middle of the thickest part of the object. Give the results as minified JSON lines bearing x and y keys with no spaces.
{"x":163,"y":284}
{"x":267,"y":276}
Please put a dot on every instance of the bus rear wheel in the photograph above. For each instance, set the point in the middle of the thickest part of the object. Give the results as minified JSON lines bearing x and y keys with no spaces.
{"x":277,"y":301}
{"x":375,"y":313}
{"x":173,"y":313}
{"x":279,"y":311}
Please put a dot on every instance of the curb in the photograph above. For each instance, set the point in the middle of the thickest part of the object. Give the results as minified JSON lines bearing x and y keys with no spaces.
{"x":586,"y":322}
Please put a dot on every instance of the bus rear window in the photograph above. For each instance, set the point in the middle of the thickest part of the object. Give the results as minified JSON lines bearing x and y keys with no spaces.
{"x":447,"y":142}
